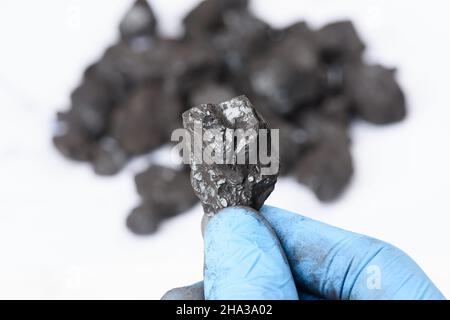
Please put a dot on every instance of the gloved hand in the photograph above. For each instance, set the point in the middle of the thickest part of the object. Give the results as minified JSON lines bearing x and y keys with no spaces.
{"x":245,"y":258}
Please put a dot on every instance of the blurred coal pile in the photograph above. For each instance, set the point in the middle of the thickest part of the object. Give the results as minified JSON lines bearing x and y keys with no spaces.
{"x":311,"y":84}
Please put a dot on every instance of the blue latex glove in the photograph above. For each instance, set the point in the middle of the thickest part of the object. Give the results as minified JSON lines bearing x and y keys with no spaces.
{"x":245,"y":258}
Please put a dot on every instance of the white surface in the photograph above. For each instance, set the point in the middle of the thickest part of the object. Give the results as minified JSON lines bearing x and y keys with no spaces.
{"x":62,"y":232}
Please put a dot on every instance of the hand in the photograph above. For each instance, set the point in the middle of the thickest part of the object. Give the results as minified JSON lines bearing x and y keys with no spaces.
{"x":245,"y":259}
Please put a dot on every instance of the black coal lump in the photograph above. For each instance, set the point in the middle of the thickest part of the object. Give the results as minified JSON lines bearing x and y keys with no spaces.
{"x":375,"y":94}
{"x":146,"y":120}
{"x":143,"y":220}
{"x":289,"y":75}
{"x":73,"y":144}
{"x":208,"y":17}
{"x":339,"y":41}
{"x":243,"y":35}
{"x":310,"y":83}
{"x":211,"y":93}
{"x":165,"y":193}
{"x":108,"y":158}
{"x":220,"y":185}
{"x":327,"y":166}
{"x":168,"y":190}
{"x":91,"y":104}
{"x":138,"y":23}
{"x":337,"y":108}
{"x":326,"y":169}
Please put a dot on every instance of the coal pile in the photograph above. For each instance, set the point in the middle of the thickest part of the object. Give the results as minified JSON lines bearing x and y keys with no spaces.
{"x":220,"y":184}
{"x":311,"y":84}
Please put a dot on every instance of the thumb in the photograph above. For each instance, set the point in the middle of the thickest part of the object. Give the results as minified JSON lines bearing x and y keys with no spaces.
{"x":244,"y":259}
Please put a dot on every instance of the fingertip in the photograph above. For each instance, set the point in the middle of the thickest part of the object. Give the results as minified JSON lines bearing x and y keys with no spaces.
{"x":243,"y":258}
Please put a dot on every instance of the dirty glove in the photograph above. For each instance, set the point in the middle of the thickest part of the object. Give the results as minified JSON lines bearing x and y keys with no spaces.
{"x":245,"y":260}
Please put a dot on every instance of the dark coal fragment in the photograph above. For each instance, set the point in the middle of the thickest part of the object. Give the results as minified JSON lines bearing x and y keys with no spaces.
{"x":337,"y":108}
{"x":147,"y":119}
{"x":143,"y":220}
{"x":321,"y":129}
{"x":139,"y":22}
{"x":298,"y":44}
{"x":339,"y":41}
{"x":289,"y":76}
{"x":149,"y":61}
{"x":168,"y":190}
{"x":293,"y":143}
{"x":208,"y":17}
{"x":327,"y":166}
{"x":194,"y":64}
{"x":230,"y":29}
{"x":242,"y":36}
{"x":326,"y":169}
{"x":91,"y":103}
{"x":193,"y":292}
{"x":284,"y":89}
{"x":108,"y":158}
{"x":74,"y":145}
{"x":293,"y":139}
{"x":223,"y":185}
{"x":375,"y":94}
{"x":114,"y":83}
{"x":165,"y":193}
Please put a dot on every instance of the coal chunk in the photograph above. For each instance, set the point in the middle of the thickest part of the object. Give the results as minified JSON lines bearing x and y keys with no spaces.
{"x":73,"y":145}
{"x":108,"y":158}
{"x":337,"y":108}
{"x":327,"y":179}
{"x":339,"y":41}
{"x":138,"y":22}
{"x":327,"y":166}
{"x":211,"y":93}
{"x":193,"y":65}
{"x":375,"y":94}
{"x":309,"y":83}
{"x":293,"y":143}
{"x":91,"y":103}
{"x":220,"y":185}
{"x":165,"y":193}
{"x":289,"y":76}
{"x":146,"y":121}
{"x":241,"y":37}
{"x":168,"y":190}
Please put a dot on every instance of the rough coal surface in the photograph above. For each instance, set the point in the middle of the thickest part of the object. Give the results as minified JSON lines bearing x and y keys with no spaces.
{"x":311,"y":83}
{"x":222,"y":185}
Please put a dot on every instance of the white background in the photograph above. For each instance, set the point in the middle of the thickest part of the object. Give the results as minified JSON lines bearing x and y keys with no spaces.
{"x":62,"y":231}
